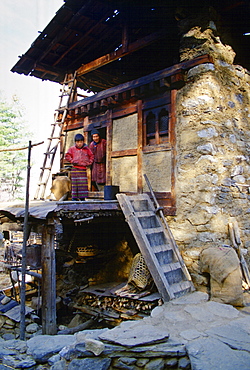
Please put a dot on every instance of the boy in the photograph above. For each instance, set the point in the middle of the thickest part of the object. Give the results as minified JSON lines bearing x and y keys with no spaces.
{"x":81,"y":157}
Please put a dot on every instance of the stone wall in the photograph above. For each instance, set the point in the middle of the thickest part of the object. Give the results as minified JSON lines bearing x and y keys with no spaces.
{"x":213,"y":163}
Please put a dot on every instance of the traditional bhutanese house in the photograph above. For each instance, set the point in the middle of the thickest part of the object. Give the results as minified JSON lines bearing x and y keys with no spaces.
{"x":170,"y":94}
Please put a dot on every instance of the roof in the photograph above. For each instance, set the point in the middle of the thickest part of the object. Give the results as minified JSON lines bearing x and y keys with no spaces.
{"x":40,"y":209}
{"x":37,"y":209}
{"x":115,"y":41}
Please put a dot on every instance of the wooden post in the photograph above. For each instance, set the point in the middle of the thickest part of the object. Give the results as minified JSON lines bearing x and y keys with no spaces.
{"x":109,"y":148}
{"x":139,"y":148}
{"x":48,"y":280}
{"x":173,"y":146}
{"x":25,"y":238}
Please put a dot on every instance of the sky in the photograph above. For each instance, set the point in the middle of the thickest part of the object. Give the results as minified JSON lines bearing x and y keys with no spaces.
{"x":20,"y":23}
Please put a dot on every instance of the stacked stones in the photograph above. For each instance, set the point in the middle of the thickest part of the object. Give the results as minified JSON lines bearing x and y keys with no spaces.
{"x":213,"y":153}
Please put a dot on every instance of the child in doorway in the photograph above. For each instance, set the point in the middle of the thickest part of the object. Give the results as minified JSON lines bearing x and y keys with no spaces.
{"x":81,"y":157}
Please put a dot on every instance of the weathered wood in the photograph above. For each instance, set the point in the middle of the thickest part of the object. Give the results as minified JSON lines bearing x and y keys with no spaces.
{"x":49,"y":280}
{"x":108,"y":58}
{"x":109,"y":148}
{"x":23,"y":148}
{"x":27,"y":272}
{"x":111,"y":92}
{"x":145,"y":248}
{"x":77,"y":328}
{"x":173,"y":143}
{"x":26,"y":230}
{"x":139,"y":147}
{"x":123,"y":153}
{"x":170,"y":235}
{"x":156,"y":245}
{"x":111,"y":314}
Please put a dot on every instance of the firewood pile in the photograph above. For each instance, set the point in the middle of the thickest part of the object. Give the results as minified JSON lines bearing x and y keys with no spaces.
{"x":113,"y":308}
{"x":131,"y":300}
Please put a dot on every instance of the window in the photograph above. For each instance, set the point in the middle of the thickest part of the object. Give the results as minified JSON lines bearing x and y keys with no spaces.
{"x":156,"y":125}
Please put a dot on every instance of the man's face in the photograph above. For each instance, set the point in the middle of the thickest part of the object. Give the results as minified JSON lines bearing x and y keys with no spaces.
{"x":96,"y":138}
{"x":79,"y":144}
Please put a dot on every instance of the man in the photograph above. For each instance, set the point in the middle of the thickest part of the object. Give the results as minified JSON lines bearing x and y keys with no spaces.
{"x":81,"y":157}
{"x":98,"y":172}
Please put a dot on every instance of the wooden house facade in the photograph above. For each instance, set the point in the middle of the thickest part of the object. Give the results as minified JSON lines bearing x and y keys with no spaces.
{"x":171,"y":103}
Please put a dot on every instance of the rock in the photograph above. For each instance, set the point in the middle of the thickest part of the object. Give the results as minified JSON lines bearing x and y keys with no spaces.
{"x":5,"y":300}
{"x":6,"y":352}
{"x":19,"y":361}
{"x":90,"y":364}
{"x":42,"y":347}
{"x":209,"y":353}
{"x":32,"y":328}
{"x":184,"y":363}
{"x":59,"y":365}
{"x":191,"y":334}
{"x":236,"y":337}
{"x":157,"y":363}
{"x":53,"y":359}
{"x":131,"y":334}
{"x":128,"y":360}
{"x":206,"y":149}
{"x":94,"y":346}
{"x":16,"y":344}
{"x":8,"y":336}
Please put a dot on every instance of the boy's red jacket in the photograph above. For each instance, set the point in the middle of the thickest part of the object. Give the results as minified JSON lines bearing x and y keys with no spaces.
{"x":80,"y":158}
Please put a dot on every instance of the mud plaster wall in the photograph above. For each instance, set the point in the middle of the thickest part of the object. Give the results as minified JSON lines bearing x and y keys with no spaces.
{"x":124,"y":173}
{"x":70,"y":138}
{"x":157,"y":166}
{"x":125,"y":133}
{"x":213,"y":152}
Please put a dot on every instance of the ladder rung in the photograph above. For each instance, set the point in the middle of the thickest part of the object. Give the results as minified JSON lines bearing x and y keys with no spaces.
{"x":161,"y":248}
{"x":48,"y":153}
{"x":60,"y":109}
{"x":144,"y":213}
{"x":153,"y":230}
{"x":56,"y":137}
{"x":178,"y":287}
{"x":45,"y":168}
{"x":171,"y":267}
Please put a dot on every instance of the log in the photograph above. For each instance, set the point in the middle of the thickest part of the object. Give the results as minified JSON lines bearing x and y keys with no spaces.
{"x":77,"y":328}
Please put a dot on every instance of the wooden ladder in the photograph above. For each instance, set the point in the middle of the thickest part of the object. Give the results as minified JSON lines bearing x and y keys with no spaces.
{"x":67,"y":95}
{"x":157,"y":246}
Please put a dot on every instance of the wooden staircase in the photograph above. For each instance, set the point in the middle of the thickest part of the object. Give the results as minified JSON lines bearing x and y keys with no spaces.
{"x":157,"y":246}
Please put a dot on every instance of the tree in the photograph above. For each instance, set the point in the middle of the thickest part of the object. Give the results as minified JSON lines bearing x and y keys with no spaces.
{"x":13,"y":134}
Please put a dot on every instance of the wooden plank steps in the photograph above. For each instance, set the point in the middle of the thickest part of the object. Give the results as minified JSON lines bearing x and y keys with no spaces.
{"x":157,"y":246}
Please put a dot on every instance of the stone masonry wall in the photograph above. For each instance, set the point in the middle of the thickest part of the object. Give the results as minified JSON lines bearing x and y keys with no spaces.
{"x":213,"y":150}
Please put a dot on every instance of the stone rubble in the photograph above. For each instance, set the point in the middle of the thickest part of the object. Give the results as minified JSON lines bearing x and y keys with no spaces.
{"x":190,"y":332}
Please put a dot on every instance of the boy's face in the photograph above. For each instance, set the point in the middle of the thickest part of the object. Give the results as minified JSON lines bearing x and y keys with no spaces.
{"x":79,"y":144}
{"x":96,"y":138}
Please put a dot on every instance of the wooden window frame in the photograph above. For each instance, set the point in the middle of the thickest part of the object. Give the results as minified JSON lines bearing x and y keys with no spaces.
{"x":158,"y":137}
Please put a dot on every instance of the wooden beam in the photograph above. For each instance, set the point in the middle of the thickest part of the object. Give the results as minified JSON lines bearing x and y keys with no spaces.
{"x":111,"y":57}
{"x":48,"y":280}
{"x":90,"y":30}
{"x":143,"y":80}
{"x":109,"y":148}
{"x":123,"y":153}
{"x":139,"y":147}
{"x":173,"y":144}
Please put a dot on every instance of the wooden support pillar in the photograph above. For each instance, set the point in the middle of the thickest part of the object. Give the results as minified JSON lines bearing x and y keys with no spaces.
{"x":48,"y":279}
{"x":139,"y":148}
{"x":109,"y":148}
